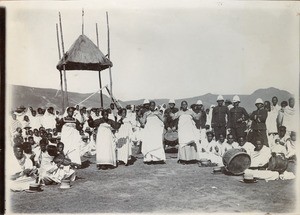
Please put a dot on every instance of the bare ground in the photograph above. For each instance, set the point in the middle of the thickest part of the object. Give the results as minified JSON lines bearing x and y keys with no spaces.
{"x":160,"y":188}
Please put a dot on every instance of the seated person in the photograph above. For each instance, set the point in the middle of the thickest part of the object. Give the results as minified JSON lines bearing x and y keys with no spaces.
{"x":278,"y":145}
{"x":249,"y":147}
{"x":229,"y":144}
{"x":261,"y":155}
{"x":291,"y":146}
{"x":208,"y":149}
{"x":22,"y":173}
{"x":27,"y":148}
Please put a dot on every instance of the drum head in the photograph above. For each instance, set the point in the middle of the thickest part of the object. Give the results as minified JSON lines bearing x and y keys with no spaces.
{"x":171,"y":136}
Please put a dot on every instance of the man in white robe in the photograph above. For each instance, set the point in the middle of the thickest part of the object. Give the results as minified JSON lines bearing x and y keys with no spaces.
{"x":261,"y":155}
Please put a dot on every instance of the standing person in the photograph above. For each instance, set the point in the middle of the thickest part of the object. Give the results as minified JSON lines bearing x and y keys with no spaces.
{"x":237,"y":119}
{"x":49,"y":119}
{"x":188,"y":136}
{"x":271,"y":119}
{"x":35,"y":122}
{"x":124,"y":138}
{"x":70,"y":136}
{"x":170,"y":123}
{"x":152,"y":148}
{"x":201,"y":122}
{"x":113,"y":112}
{"x":275,"y":106}
{"x":280,"y":115}
{"x":105,"y":146}
{"x":258,"y":125}
{"x":219,"y":114}
{"x":290,"y":117}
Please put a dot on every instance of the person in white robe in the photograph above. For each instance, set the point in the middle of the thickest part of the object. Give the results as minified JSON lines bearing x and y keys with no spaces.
{"x":229,"y":144}
{"x":188,"y":134}
{"x":152,"y":138}
{"x":290,"y":118}
{"x":49,"y":119}
{"x":124,"y":138}
{"x":261,"y":155}
{"x":249,"y":147}
{"x":70,"y":135}
{"x":207,"y":149}
{"x":35,"y":122}
{"x":278,"y":144}
{"x":21,"y":171}
{"x":291,"y":146}
{"x":105,"y":144}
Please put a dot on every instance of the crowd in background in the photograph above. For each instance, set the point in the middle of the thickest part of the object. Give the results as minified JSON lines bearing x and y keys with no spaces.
{"x":48,"y":146}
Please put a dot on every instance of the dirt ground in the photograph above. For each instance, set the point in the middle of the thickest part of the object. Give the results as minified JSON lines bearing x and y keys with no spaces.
{"x":161,"y":188}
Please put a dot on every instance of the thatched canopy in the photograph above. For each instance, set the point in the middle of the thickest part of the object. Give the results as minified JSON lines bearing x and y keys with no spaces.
{"x":84,"y":55}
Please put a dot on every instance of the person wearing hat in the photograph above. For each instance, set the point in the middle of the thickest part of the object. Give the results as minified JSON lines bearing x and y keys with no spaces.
{"x":219,"y":118}
{"x":201,"y":122}
{"x":170,"y":123}
{"x":258,"y":125}
{"x":237,"y":119}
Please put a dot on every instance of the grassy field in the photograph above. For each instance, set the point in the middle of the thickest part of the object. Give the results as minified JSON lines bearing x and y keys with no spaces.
{"x":161,"y":188}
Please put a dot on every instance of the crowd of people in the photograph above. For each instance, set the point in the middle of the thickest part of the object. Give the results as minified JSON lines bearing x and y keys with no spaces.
{"x":48,"y":146}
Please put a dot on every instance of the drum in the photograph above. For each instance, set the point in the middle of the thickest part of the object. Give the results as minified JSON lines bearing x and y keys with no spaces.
{"x":236,"y":161}
{"x":171,"y":138}
{"x":278,"y":162}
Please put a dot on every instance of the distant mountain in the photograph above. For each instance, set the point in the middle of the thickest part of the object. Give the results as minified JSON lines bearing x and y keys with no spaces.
{"x":40,"y":97}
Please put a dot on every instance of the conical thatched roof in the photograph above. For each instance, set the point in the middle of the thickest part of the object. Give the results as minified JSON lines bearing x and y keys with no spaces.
{"x":84,"y":55}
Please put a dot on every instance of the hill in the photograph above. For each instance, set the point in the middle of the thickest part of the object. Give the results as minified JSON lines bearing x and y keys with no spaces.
{"x":41,"y":97}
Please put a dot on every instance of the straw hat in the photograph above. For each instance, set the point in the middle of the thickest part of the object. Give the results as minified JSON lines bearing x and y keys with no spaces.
{"x":248,"y":178}
{"x":34,"y":188}
{"x":65,"y":184}
{"x":146,"y":101}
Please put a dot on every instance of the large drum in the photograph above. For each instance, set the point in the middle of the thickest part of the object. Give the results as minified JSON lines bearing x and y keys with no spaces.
{"x":171,"y":138}
{"x":278,"y":163}
{"x":236,"y":161}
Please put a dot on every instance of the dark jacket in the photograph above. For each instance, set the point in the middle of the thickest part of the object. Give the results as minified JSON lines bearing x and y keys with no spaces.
{"x":219,"y":116}
{"x":237,"y":117}
{"x":260,"y":122}
{"x":169,"y":122}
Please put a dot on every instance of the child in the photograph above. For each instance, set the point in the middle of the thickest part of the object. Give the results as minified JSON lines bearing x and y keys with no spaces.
{"x":291,"y":146}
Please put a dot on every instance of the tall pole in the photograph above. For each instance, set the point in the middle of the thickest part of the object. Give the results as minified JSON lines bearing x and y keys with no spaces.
{"x":82,"y":21}
{"x":64,"y":67}
{"x":108,"y":53}
{"x":61,"y":79}
{"x":100,"y":83}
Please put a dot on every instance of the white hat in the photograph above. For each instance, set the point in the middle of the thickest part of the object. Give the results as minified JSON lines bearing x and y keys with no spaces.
{"x":146,"y":101}
{"x":259,"y":101}
{"x":199,"y":102}
{"x":220,"y":98}
{"x":236,"y":99}
{"x":171,"y":101}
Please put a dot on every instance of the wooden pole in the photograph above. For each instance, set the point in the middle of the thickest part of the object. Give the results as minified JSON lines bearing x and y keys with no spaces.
{"x":100,"y":83}
{"x":61,"y":78}
{"x":82,"y":21}
{"x":108,"y":53}
{"x":64,"y":67}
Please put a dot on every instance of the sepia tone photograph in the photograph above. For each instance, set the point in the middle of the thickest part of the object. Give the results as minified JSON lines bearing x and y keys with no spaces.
{"x":151,"y":106}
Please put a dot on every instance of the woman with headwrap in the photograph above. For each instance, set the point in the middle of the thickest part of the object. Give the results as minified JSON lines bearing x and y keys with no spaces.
{"x":105,"y":146}
{"x":188,"y":135}
{"x":152,"y":139}
{"x":70,"y":136}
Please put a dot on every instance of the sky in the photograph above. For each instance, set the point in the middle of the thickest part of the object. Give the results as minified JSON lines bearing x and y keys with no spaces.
{"x":160,"y":49}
